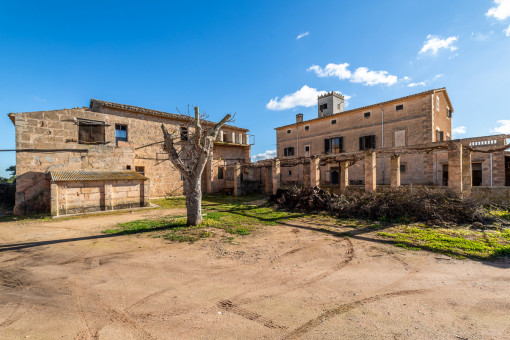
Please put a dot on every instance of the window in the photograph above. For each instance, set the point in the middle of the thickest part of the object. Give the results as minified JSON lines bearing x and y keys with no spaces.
{"x":334,"y":145}
{"x":399,"y":107}
{"x":221,"y":172}
{"x":437,"y":102}
{"x":476,"y":170}
{"x":128,"y":167}
{"x":120,"y":133}
{"x":333,"y":122}
{"x":449,"y":113}
{"x":288,"y":131}
{"x":439,"y":136}
{"x":307,"y":127}
{"x":323,"y":107}
{"x":367,"y":142}
{"x":366,"y":115}
{"x":184,"y":133}
{"x":288,"y":151}
{"x":140,"y":170}
{"x":290,"y":172}
{"x":307,"y":148}
{"x":91,"y":132}
{"x":402,"y":168}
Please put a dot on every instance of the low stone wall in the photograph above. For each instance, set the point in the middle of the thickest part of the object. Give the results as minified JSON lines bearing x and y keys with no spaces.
{"x":492,"y":195}
{"x":7,"y":193}
{"x":89,"y":196}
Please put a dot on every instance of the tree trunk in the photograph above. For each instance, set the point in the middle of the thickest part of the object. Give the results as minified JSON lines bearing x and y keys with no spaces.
{"x":193,"y":192}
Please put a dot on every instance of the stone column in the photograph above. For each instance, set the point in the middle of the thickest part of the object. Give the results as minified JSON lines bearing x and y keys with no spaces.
{"x":208,"y":175}
{"x":276,"y":175}
{"x":315,"y":175}
{"x":146,"y":192}
{"x":498,"y":165}
{"x":467,"y":173}
{"x":237,"y":179}
{"x":233,"y":137}
{"x":108,"y":195}
{"x":240,"y":138}
{"x":455,"y":166}
{"x":395,"y":171}
{"x":54,"y":199}
{"x":221,"y":136}
{"x":370,"y":172}
{"x":344,"y":177}
{"x":267,"y":180}
{"x":246,"y":139}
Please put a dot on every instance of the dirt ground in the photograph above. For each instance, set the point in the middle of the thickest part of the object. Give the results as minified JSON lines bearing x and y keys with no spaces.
{"x":66,"y":280}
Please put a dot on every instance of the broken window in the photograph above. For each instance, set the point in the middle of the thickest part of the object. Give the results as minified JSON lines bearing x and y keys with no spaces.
{"x":323,"y":107}
{"x":184,"y":133}
{"x":288,"y":151}
{"x":120,"y":133}
{"x":367,"y":142}
{"x":91,"y":132}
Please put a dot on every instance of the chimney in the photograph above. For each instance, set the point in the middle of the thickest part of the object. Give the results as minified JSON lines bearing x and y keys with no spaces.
{"x":299,"y":118}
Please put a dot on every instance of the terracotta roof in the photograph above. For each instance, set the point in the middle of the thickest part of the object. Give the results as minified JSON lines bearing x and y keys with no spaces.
{"x":156,"y":113}
{"x":77,"y":176}
{"x":376,"y":104}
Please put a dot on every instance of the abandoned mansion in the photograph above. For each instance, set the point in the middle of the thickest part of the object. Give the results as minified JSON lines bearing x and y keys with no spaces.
{"x":109,"y":156}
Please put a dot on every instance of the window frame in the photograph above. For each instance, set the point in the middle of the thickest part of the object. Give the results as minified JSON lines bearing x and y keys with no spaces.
{"x":82,"y":123}
{"x":365,"y":114}
{"x":140,"y":169}
{"x":122,"y":139}
{"x":328,"y":145}
{"x":307,"y":127}
{"x":363,"y":142}
{"x":288,"y":152}
{"x":333,"y":122}
{"x":399,"y":107}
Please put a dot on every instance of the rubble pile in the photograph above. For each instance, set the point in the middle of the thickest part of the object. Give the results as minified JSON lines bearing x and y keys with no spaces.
{"x":404,"y":203}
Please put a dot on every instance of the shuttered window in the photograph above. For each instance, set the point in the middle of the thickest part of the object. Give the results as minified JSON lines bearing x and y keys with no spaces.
{"x":91,"y":132}
{"x":367,"y":142}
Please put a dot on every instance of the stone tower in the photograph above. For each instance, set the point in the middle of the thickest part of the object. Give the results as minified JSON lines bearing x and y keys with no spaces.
{"x":330,"y":103}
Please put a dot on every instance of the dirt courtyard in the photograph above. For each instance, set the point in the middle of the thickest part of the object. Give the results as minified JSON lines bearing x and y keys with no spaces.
{"x":66,"y":280}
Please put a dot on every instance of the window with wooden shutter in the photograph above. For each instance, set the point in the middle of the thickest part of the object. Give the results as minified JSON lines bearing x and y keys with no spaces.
{"x":91,"y":132}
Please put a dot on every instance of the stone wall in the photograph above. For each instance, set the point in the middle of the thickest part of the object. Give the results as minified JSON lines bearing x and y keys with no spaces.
{"x":89,"y":196}
{"x":492,"y":195}
{"x":57,"y":133}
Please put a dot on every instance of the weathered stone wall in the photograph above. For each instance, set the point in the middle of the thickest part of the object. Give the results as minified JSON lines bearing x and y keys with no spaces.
{"x":90,"y":196}
{"x":57,"y":130}
{"x":492,"y":195}
{"x":410,"y":126}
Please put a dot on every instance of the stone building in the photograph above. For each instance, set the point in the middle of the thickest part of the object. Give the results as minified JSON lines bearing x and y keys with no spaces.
{"x":418,"y":119}
{"x":109,"y":156}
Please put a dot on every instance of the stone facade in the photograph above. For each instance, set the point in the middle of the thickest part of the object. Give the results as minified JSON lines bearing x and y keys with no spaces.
{"x":50,"y":140}
{"x":418,"y":119}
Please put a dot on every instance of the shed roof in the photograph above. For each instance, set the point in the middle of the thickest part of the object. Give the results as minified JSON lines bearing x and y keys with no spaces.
{"x":77,"y":176}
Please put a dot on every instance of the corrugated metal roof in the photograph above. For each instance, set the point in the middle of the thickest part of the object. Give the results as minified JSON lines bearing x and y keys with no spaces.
{"x":76,"y":176}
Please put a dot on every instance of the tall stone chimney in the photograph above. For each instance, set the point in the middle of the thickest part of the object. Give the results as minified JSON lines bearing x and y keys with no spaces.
{"x":299,"y":118}
{"x":330,"y":103}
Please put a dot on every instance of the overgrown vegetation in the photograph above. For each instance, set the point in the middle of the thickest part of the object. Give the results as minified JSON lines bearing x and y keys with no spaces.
{"x":403,"y":204}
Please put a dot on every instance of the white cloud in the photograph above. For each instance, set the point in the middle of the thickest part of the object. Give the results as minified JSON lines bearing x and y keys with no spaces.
{"x":460,"y":130}
{"x":370,"y":78}
{"x":306,"y":96}
{"x":501,"y":11}
{"x":361,"y":74}
{"x":332,"y":70}
{"x":437,"y":76}
{"x":421,"y":83}
{"x":304,"y":34}
{"x":435,"y":43}
{"x":503,"y":128}
{"x":507,"y":31}
{"x":266,"y":155}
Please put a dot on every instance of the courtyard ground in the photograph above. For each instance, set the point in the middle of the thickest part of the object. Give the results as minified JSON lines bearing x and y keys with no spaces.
{"x":264,"y":276}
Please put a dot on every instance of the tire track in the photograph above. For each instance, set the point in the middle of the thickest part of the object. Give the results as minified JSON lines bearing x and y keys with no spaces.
{"x":96,"y":322}
{"x":344,"y":308}
{"x":231,"y":307}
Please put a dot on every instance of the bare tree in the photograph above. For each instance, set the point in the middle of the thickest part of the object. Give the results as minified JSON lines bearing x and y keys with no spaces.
{"x":189,"y":155}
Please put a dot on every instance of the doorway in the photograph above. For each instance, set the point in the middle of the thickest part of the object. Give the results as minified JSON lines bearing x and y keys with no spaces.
{"x":476,"y":174}
{"x":445,"y":175}
{"x":507,"y":171}
{"x":334,"y":176}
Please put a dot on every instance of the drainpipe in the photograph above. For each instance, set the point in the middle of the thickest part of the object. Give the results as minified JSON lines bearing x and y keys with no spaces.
{"x":382,"y":141}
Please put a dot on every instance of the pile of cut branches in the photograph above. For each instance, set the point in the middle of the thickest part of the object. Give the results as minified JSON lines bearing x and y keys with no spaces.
{"x":408,"y":203}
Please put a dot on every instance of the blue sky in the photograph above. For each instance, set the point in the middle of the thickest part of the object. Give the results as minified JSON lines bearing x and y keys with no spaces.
{"x":245,"y":57}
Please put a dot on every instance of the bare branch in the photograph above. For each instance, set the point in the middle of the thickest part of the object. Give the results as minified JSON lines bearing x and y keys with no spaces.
{"x":168,"y":146}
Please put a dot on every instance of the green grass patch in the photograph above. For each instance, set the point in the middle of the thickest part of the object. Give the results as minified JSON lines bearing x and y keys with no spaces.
{"x":457,"y":242}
